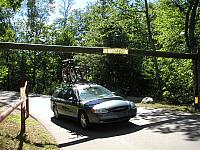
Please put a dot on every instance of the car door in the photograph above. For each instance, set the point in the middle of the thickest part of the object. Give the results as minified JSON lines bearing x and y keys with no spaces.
{"x":65,"y":102}
{"x":54,"y":99}
{"x":71,"y":107}
{"x":60,"y":101}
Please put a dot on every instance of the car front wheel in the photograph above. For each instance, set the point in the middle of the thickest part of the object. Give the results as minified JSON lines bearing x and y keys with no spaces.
{"x":126,"y":120}
{"x":83,"y":120}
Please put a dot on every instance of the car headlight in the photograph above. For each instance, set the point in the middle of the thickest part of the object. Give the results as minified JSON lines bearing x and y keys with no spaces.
{"x":99,"y":111}
{"x":132,"y":105}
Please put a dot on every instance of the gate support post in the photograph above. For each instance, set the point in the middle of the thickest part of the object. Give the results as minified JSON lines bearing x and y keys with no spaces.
{"x":196,"y":81}
{"x":23,"y":94}
{"x":23,"y":109}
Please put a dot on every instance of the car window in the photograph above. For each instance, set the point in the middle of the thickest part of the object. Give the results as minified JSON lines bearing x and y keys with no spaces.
{"x":55,"y":94}
{"x":94,"y":92}
{"x":69,"y":93}
{"x":66,"y":94}
{"x":60,"y":94}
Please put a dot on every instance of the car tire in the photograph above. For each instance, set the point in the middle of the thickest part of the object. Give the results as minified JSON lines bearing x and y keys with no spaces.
{"x":56,"y":114}
{"x":126,"y":120}
{"x":83,"y":120}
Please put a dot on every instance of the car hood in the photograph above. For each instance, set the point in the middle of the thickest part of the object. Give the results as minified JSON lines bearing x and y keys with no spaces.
{"x":107,"y":103}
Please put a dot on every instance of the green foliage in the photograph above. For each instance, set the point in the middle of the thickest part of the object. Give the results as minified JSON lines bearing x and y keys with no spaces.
{"x":111,"y":70}
{"x":8,"y":35}
{"x":3,"y":73}
{"x":176,"y":75}
{"x":3,"y":3}
{"x":41,"y":68}
{"x":148,"y":74}
{"x":93,"y":63}
{"x":177,"y":80}
{"x":107,"y":26}
{"x":7,"y":9}
{"x":65,"y":37}
{"x":169,"y":25}
{"x":116,"y":23}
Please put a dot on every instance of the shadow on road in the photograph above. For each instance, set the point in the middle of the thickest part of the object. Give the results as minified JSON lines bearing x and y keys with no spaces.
{"x":8,"y":97}
{"x":166,"y":122}
{"x":159,"y":121}
{"x":95,"y":131}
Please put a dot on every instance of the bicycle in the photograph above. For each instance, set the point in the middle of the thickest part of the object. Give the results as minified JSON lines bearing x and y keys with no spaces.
{"x":70,"y":73}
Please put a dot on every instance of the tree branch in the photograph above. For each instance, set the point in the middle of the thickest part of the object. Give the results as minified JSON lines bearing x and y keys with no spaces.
{"x":181,"y":9}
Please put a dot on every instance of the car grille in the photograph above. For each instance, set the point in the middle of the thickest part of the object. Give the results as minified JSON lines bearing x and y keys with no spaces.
{"x":118,"y":109}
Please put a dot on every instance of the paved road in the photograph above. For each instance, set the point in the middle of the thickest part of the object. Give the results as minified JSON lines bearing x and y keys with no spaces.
{"x":7,"y":97}
{"x":150,"y":130}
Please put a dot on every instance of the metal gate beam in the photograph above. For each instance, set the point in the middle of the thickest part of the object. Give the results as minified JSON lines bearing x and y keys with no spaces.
{"x":93,"y":50}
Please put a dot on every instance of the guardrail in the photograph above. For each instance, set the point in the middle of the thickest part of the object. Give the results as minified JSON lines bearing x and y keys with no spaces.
{"x":24,"y":102}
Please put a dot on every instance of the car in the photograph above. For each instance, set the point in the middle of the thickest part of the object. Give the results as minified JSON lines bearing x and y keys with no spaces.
{"x":91,"y":104}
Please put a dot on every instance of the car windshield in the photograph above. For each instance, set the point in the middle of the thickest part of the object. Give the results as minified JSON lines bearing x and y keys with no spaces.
{"x":94,"y":92}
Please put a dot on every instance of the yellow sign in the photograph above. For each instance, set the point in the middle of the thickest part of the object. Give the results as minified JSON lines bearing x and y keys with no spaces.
{"x":115,"y":51}
{"x":196,"y":100}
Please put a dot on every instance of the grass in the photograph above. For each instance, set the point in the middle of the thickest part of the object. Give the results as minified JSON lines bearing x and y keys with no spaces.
{"x":36,"y":137}
{"x":188,"y":108}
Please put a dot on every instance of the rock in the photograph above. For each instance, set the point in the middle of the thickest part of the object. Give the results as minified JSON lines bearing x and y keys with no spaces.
{"x":147,"y":100}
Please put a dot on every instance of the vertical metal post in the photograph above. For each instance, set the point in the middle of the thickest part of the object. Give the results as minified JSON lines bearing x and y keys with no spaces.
{"x":196,"y":80}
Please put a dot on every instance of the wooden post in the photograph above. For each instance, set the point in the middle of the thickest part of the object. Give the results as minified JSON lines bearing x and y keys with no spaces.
{"x":23,"y":124}
{"x":23,"y":94}
{"x":27,"y":101}
{"x":23,"y":110}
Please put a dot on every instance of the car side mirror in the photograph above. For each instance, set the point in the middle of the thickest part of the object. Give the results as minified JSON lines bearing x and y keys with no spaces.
{"x":114,"y":93}
{"x":71,"y":99}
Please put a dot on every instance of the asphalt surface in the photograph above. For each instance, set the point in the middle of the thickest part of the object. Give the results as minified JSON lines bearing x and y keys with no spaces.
{"x":7,"y":97}
{"x":151,"y":130}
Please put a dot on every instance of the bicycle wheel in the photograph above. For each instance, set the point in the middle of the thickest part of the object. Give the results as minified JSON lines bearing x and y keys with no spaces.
{"x":72,"y":75}
{"x":79,"y":73}
{"x":64,"y":76}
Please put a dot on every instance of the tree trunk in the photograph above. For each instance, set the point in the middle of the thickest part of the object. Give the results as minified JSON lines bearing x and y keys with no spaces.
{"x":44,"y":72}
{"x":190,"y":25}
{"x":152,"y":46}
{"x":34,"y":70}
